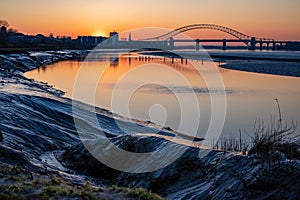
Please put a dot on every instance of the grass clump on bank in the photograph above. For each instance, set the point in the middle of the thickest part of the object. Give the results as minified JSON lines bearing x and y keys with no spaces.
{"x":20,"y":183}
{"x":137,"y":193}
{"x":269,"y":140}
{"x":274,"y":137}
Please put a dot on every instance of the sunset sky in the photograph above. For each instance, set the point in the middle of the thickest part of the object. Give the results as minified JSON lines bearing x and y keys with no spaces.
{"x":277,"y":19}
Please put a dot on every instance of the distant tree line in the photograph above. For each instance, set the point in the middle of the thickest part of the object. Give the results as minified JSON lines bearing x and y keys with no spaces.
{"x":12,"y":40}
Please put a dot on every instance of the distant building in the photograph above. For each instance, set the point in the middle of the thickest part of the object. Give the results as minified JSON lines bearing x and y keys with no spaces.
{"x":114,"y":37}
{"x":90,"y":40}
{"x":129,"y":37}
{"x":3,"y":31}
{"x":64,"y":38}
{"x":95,"y":40}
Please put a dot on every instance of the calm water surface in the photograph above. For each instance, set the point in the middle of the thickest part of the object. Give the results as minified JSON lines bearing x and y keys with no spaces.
{"x":249,"y":95}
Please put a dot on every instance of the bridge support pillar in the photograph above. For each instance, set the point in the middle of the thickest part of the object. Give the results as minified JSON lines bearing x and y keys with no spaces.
{"x":260,"y":45}
{"x":171,"y":43}
{"x":252,"y":43}
{"x":224,"y":45}
{"x":268,"y":46}
{"x":197,"y":45}
{"x":273,"y":46}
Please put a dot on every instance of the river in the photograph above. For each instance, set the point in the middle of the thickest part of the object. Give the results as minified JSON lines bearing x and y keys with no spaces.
{"x":249,"y":96}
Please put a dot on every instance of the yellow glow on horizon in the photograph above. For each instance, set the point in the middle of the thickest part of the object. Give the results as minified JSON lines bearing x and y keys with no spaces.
{"x":99,"y":33}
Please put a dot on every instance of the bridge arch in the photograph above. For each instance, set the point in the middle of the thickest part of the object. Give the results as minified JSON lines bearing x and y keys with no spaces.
{"x":230,"y":31}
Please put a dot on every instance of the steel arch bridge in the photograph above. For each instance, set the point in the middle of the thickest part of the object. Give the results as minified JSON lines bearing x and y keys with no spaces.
{"x":234,"y":33}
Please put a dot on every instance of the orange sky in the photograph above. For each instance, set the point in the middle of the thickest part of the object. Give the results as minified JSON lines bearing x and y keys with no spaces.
{"x":277,"y":19}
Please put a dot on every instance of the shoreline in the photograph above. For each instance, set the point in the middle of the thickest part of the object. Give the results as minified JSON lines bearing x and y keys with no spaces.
{"x":277,"y":68}
{"x":15,"y":76}
{"x":271,"y":63}
{"x":58,"y":56}
{"x":78,"y":54}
